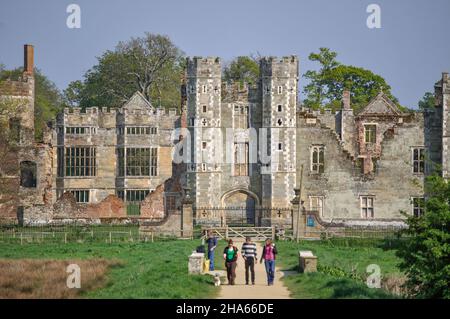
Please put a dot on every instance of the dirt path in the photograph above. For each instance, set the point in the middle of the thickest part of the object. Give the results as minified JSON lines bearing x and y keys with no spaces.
{"x":260,"y":290}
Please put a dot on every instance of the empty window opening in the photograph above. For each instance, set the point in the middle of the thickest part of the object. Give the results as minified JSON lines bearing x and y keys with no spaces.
{"x":317,"y":159}
{"x":28,"y":174}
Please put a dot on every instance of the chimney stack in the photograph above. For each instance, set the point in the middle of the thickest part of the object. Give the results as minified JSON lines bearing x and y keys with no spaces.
{"x":346,"y":99}
{"x":28,"y":65}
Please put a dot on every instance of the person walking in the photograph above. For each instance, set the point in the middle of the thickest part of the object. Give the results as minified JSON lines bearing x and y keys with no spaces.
{"x":249,"y":255}
{"x":230,"y":254}
{"x":212,"y":244}
{"x":268,"y":255}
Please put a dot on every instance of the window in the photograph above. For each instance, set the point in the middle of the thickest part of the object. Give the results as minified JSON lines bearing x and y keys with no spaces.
{"x":80,"y":161}
{"x":317,"y":159}
{"x":205,"y":89}
{"x":121,"y":162}
{"x":366,"y":203}
{"x":204,"y":108}
{"x":316,"y":204}
{"x":192,"y":121}
{"x":192,"y":89}
{"x":204,"y":144}
{"x":417,"y":206}
{"x":280,"y":108}
{"x":370,"y":133}
{"x":280,"y":89}
{"x":418,"y":159}
{"x":14,"y":129}
{"x":267,"y":90}
{"x":240,"y":159}
{"x":141,"y":130}
{"x":141,"y":161}
{"x":241,"y":116}
{"x":80,"y":130}
{"x":171,"y":202}
{"x":280,"y":146}
{"x":136,"y":195}
{"x":28,"y":174}
{"x":81,"y":196}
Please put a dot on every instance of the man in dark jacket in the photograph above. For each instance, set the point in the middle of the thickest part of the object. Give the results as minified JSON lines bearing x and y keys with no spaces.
{"x":230,"y":255}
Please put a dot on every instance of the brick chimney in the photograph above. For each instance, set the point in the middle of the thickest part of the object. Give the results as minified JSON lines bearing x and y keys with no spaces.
{"x":28,"y":65}
{"x":346,"y":99}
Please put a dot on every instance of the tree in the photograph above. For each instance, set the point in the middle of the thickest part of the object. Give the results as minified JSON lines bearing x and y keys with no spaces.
{"x":48,"y":99}
{"x":426,"y":254}
{"x":326,"y":85}
{"x":427,"y":101}
{"x":152,"y":65}
{"x":242,"y":69}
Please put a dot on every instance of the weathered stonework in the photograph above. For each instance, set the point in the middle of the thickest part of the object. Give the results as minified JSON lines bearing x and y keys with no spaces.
{"x":359,"y":178}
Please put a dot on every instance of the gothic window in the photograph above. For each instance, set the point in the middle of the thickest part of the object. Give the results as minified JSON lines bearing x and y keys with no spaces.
{"x":418,"y":159}
{"x":317,"y":159}
{"x":417,"y":206}
{"x":205,"y":89}
{"x":370,"y":133}
{"x":80,"y":161}
{"x":367,"y":208}
{"x":241,"y":116}
{"x":14,"y":129}
{"x":316,"y":204}
{"x":280,"y":108}
{"x":81,"y":196}
{"x":240,"y":159}
{"x":28,"y":174}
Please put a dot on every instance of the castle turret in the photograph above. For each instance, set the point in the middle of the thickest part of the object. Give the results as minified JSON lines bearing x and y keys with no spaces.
{"x":442,"y":93}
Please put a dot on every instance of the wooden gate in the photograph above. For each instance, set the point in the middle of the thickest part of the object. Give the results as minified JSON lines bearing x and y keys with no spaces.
{"x":240,"y":233}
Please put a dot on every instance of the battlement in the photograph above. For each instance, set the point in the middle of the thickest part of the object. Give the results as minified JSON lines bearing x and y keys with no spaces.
{"x":286,"y":66}
{"x":204,"y":66}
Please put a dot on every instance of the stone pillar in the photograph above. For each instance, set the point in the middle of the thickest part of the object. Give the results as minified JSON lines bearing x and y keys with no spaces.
{"x":195,"y":264}
{"x":187,"y":220}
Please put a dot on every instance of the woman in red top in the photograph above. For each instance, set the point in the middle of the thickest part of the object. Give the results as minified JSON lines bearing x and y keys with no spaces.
{"x":269,"y":254}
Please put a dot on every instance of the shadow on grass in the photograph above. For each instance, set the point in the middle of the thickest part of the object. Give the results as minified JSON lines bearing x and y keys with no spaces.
{"x":344,"y":288}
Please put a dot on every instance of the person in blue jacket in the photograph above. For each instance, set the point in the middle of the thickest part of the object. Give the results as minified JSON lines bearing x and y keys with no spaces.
{"x":212,"y":244}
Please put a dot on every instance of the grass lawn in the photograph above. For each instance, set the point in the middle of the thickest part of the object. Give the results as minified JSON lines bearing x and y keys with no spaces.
{"x":145,"y":270}
{"x":349,"y":256}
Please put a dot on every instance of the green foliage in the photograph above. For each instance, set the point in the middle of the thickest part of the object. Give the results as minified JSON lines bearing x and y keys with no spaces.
{"x":48,"y":100}
{"x":426,"y":255}
{"x":243,"y":69}
{"x":326,"y":85}
{"x":151,"y":64}
{"x":427,"y":101}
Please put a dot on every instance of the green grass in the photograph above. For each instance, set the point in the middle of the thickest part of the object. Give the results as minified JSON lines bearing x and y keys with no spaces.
{"x":149,"y":270}
{"x":350,"y":256}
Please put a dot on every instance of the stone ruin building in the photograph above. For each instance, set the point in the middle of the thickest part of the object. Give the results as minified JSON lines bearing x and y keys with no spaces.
{"x":251,"y":155}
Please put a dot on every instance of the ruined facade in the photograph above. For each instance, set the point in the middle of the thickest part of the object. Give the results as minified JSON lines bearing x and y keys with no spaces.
{"x":237,"y":153}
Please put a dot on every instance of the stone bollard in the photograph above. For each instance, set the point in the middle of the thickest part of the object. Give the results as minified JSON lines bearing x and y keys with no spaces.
{"x":196,"y":263}
{"x":307,"y":262}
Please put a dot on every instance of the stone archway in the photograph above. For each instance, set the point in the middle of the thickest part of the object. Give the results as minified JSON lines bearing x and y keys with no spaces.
{"x":239,"y":207}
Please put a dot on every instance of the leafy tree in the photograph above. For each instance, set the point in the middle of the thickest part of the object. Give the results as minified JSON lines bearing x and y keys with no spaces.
{"x":242,"y":69}
{"x":426,"y":254}
{"x":152,"y":65}
{"x":327,"y":84}
{"x":48,"y":99}
{"x":427,"y":101}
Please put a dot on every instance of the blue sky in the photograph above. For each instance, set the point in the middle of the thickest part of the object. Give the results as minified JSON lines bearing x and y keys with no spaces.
{"x":410,"y":51}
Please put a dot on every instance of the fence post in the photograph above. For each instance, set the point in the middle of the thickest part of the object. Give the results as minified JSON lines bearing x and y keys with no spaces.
{"x":273,"y":232}
{"x":21,"y":238}
{"x":110,"y":238}
{"x":226,"y":232}
{"x":65,"y":238}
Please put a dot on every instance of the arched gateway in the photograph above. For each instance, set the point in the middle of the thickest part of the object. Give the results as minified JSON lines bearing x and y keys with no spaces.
{"x":239,"y":207}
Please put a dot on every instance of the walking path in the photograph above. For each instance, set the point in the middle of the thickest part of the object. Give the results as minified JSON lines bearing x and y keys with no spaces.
{"x":260,"y":290}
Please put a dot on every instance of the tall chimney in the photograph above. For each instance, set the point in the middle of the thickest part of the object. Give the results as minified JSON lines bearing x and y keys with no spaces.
{"x":28,"y":65}
{"x":346,"y":99}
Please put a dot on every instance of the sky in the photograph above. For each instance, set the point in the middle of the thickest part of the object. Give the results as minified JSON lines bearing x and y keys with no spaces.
{"x":410,"y":50}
